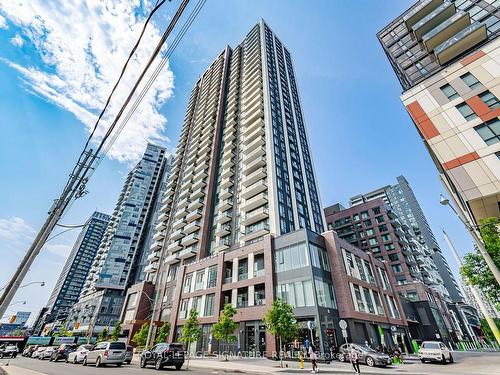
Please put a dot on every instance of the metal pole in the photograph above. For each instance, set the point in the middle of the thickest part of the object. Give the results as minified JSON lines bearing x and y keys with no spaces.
{"x":475,"y":293}
{"x":54,"y":216}
{"x":479,"y":242}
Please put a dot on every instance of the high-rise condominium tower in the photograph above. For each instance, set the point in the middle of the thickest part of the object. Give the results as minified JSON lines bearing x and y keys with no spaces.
{"x":242,"y":187}
{"x":446,"y":56}
{"x":118,"y":261}
{"x":405,"y":205}
{"x":77,"y":266}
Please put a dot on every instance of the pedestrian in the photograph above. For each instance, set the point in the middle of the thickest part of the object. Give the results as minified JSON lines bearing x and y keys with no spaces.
{"x":354,"y":357}
{"x":314,"y":359}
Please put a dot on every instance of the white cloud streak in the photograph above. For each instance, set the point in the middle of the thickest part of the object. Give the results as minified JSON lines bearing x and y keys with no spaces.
{"x":17,"y":41}
{"x":3,"y":23}
{"x":15,"y":229}
{"x":83,"y":45}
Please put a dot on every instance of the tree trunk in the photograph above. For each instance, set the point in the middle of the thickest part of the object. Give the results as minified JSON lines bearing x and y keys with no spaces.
{"x":188,"y":355}
{"x":225,"y":347}
{"x":281,"y":351}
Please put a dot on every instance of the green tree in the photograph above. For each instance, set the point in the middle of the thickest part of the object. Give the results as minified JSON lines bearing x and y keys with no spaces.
{"x":280,"y":321}
{"x":141,"y":335}
{"x":162,"y":334}
{"x":487,"y":330}
{"x":103,"y":336}
{"x":225,"y":326}
{"x":117,"y":330}
{"x":474,"y":269}
{"x":190,"y":331}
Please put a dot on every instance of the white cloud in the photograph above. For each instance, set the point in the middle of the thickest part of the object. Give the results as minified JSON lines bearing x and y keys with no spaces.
{"x":3,"y":23}
{"x":15,"y":229}
{"x":59,"y":249}
{"x":83,"y":45}
{"x":17,"y":41}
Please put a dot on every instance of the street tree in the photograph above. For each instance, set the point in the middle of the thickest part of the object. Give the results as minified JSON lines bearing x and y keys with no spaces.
{"x":141,"y":335}
{"x":117,"y":330}
{"x":162,"y":334}
{"x":190,"y":331}
{"x":280,"y":322}
{"x":103,"y":335}
{"x":474,"y":269}
{"x":224,"y":329}
{"x":488,"y":333}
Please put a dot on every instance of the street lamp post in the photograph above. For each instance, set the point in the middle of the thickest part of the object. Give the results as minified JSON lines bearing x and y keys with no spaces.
{"x":42,"y":283}
{"x":475,"y":293}
{"x":479,"y":243}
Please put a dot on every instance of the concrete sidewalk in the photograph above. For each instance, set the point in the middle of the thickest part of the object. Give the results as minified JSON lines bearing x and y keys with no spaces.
{"x":15,"y":370}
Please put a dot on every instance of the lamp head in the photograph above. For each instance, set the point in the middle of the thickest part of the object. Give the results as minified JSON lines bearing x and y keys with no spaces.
{"x":444,"y":201}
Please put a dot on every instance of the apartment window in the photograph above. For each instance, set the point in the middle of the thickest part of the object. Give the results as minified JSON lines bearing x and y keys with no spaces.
{"x":258,"y":266}
{"x":367,"y":223}
{"x":319,"y":257}
{"x":380,"y":219}
{"x":199,"y":280}
{"x":470,"y":80}
{"x":386,"y":237}
{"x":383,"y":277}
{"x":259,"y":295}
{"x":187,"y":283}
{"x":370,"y":232}
{"x":358,"y":299}
{"x":364,"y":215}
{"x":449,"y":92}
{"x":324,"y":292}
{"x":392,"y":307}
{"x":489,"y":99}
{"x":183,"y":309}
{"x":212,"y":277}
{"x":393,"y":257}
{"x":369,"y":301}
{"x":376,"y":210}
{"x":291,"y":257}
{"x":466,"y":111}
{"x":369,"y":272}
{"x":209,"y":304}
{"x":196,"y":304}
{"x":373,"y":241}
{"x":297,"y":294}
{"x":396,"y":268}
{"x":378,"y":303}
{"x":242,"y":297}
{"x":489,"y":131}
{"x":382,"y":228}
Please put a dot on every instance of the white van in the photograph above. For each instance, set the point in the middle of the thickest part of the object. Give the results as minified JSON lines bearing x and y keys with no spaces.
{"x":435,"y":351}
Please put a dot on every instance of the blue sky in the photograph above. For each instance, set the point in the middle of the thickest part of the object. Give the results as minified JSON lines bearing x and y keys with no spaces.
{"x":361,"y":136}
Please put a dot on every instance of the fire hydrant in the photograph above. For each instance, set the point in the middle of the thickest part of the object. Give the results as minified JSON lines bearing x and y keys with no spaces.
{"x":301,"y":360}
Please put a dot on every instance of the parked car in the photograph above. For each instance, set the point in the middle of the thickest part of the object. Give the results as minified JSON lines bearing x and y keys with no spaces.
{"x":80,"y":353}
{"x":366,"y":355}
{"x":163,"y":354}
{"x":62,"y":352}
{"x":106,"y":352}
{"x":47,"y":353}
{"x":435,"y":351}
{"x":9,"y":351}
{"x":129,"y":355}
{"x":38,"y":351}
{"x":28,"y":352}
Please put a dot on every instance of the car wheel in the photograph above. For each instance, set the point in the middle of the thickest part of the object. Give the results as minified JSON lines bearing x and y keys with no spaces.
{"x":422,"y":360}
{"x":158,"y":364}
{"x":370,"y":362}
{"x":142,"y":363}
{"x":98,"y":362}
{"x":451,"y":358}
{"x":128,"y":362}
{"x":84,"y":362}
{"x":341,"y":357}
{"x":178,"y":367}
{"x":118,"y":365}
{"x":443,"y":359}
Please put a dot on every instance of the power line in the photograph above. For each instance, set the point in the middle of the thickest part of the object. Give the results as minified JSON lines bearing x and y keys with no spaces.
{"x":75,"y":186}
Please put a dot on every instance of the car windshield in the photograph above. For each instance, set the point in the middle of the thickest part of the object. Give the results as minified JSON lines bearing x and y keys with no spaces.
{"x":430,"y":345}
{"x":366,"y":349}
{"x":88,"y":346}
{"x":117,"y":345}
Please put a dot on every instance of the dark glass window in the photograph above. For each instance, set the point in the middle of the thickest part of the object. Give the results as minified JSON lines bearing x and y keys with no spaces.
{"x":489,"y":131}
{"x":470,"y":80}
{"x":489,"y":99}
{"x":449,"y":92}
{"x":466,"y":111}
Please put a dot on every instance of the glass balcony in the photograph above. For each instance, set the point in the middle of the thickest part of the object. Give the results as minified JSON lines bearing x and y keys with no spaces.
{"x":255,"y":216}
{"x":256,"y":231}
{"x":171,"y":259}
{"x":222,"y":244}
{"x":224,"y":217}
{"x":460,"y":42}
{"x":188,"y":252}
{"x":253,"y":165}
{"x":195,"y":204}
{"x":177,"y":235}
{"x":156,"y":245}
{"x":198,"y":193}
{"x":160,"y":226}
{"x":254,"y":202}
{"x":420,"y":11}
{"x":174,"y":246}
{"x":433,"y":19}
{"x":155,"y":255}
{"x":226,"y":193}
{"x":158,"y":236}
{"x":253,"y":177}
{"x":446,"y":30}
{"x":249,"y":148}
{"x":199,"y":183}
{"x":150,"y":268}
{"x":254,"y":189}
{"x":225,"y":205}
{"x":227,"y":172}
{"x":226,"y":182}
{"x":189,"y":240}
{"x":193,"y":215}
{"x":222,"y":230}
{"x":192,"y":227}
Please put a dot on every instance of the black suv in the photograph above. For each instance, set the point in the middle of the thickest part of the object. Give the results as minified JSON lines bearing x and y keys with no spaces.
{"x":62,"y":352}
{"x":163,"y":354}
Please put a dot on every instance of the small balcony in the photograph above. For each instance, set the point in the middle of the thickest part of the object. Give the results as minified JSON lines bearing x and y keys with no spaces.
{"x":254,"y":189}
{"x":257,"y":133}
{"x":171,"y":259}
{"x":177,"y":235}
{"x":158,"y":236}
{"x":460,"y":42}
{"x":163,"y":217}
{"x":255,"y":216}
{"x":258,"y":142}
{"x":222,"y":230}
{"x":155,"y":255}
{"x":193,"y":215}
{"x":420,"y":11}
{"x":227,"y":172}
{"x":254,"y":232}
{"x":224,"y":217}
{"x":195,"y":204}
{"x":156,"y":245}
{"x":254,"y":165}
{"x":226,"y":182}
{"x":192,"y":227}
{"x":200,"y":183}
{"x":178,"y":224}
{"x":225,"y":205}
{"x":198,"y":193}
{"x":254,"y":202}
{"x":174,"y":246}
{"x":183,"y":203}
{"x":226,"y":193}
{"x":222,"y":244}
{"x":255,"y":176}
{"x":150,"y":268}
{"x":188,"y":252}
{"x":160,"y":226}
{"x":446,"y":30}
{"x":190,"y":239}
{"x":433,"y":19}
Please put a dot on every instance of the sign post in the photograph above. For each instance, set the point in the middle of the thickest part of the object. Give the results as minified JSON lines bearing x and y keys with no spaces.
{"x":343,"y":326}
{"x":310,"y":325}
